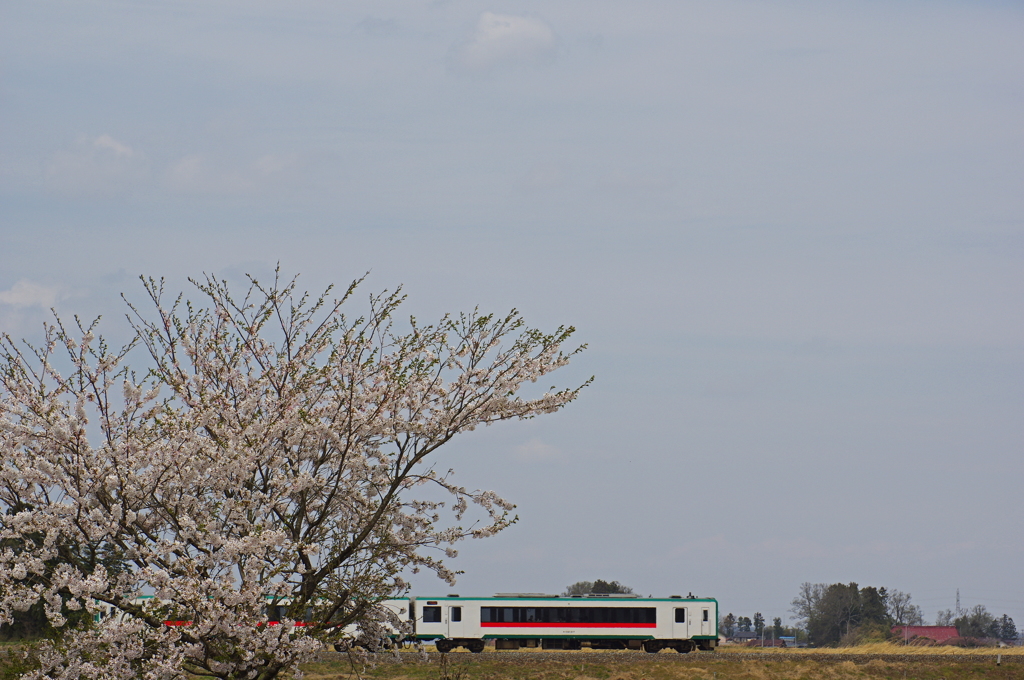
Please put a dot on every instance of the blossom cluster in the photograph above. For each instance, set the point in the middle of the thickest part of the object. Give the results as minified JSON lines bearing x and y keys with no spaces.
{"x":267,"y":452}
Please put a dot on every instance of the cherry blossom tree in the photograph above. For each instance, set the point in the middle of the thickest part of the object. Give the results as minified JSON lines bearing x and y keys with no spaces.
{"x":268,"y":450}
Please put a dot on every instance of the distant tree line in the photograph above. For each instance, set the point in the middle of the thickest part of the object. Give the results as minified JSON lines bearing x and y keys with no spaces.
{"x":846,"y":613}
{"x":978,"y":622}
{"x":730,"y":624}
{"x":841,"y":613}
{"x":598,"y":586}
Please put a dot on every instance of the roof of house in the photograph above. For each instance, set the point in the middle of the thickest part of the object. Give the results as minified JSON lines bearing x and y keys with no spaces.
{"x":937,"y":633}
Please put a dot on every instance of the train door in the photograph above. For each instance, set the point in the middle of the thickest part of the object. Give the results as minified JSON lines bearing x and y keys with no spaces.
{"x":681,"y":623}
{"x":705,"y":621}
{"x":455,"y":629}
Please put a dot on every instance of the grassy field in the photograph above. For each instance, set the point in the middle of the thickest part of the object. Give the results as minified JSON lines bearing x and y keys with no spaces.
{"x":882,"y":648}
{"x":867,"y":662}
{"x":882,"y":662}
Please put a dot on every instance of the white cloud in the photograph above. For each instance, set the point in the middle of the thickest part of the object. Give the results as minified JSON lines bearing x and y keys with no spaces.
{"x":196,"y":174}
{"x":504,"y":40}
{"x":275,"y":164}
{"x":188,"y":172}
{"x":535,"y":449}
{"x":108,"y":143}
{"x":96,"y":165}
{"x":24,"y":293}
{"x":203,"y":174}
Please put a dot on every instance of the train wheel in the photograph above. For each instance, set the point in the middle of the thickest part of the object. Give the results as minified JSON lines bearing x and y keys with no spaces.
{"x":685,"y":647}
{"x":652,"y":647}
{"x":476,"y":646}
{"x":444,"y":646}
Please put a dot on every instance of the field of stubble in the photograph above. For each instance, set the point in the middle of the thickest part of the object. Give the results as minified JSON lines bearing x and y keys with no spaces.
{"x":884,"y":663}
{"x":881,"y":662}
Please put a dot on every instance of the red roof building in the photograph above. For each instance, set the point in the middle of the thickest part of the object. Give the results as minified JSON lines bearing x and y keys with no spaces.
{"x":938,"y":633}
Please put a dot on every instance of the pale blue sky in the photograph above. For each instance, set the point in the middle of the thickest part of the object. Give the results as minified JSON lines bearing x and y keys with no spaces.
{"x":791,"y":232}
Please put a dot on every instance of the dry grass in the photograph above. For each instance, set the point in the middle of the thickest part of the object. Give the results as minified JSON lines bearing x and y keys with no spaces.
{"x":880,"y":661}
{"x":570,"y":666}
{"x":876,"y":648}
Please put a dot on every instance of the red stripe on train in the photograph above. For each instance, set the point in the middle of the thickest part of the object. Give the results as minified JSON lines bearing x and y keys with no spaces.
{"x":565,"y":624}
{"x":298,"y":624}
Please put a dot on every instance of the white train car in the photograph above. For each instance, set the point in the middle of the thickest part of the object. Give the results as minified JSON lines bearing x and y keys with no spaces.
{"x":533,"y":620}
{"x":515,"y":620}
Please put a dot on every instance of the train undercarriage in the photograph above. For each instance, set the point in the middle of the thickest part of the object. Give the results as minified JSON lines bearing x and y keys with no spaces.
{"x":476,"y":645}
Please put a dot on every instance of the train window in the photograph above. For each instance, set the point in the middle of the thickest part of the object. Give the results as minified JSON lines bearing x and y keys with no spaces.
{"x":431,"y":615}
{"x":705,"y":614}
{"x":624,"y":615}
{"x":456,"y":613}
{"x":680,"y":616}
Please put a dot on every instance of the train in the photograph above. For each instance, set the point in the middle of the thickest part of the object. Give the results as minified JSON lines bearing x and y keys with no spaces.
{"x":536,"y":620}
{"x":539,"y":621}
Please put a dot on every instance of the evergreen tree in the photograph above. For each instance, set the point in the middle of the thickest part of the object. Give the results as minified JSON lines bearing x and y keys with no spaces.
{"x":1007,"y":630}
{"x":598,"y":586}
{"x":729,"y":625}
{"x":758,"y":624}
{"x":873,"y":605}
{"x":837,"y":613}
{"x":610,"y":587}
{"x":976,"y":623}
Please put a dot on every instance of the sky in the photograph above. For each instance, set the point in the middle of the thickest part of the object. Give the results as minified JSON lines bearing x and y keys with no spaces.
{"x":790,"y":233}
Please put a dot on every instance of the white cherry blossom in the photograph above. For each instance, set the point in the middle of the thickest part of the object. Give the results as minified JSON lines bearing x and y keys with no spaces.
{"x":238,"y":453}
